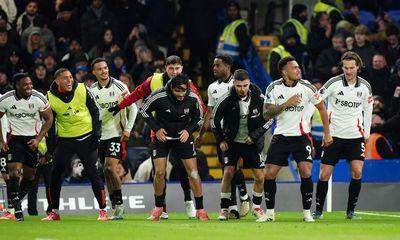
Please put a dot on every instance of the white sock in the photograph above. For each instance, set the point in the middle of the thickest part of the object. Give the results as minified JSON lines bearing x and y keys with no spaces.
{"x":307,"y":212}
{"x":56,"y":211}
{"x":270,"y":211}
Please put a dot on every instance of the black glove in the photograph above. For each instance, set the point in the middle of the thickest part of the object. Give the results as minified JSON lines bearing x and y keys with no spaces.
{"x":114,"y":110}
{"x":94,"y":142}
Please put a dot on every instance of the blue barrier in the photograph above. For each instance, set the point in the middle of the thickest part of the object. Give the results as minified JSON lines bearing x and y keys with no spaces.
{"x":374,"y":171}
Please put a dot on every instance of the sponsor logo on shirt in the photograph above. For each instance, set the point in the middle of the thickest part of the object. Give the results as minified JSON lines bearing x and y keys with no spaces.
{"x":108,"y":104}
{"x":24,"y":115}
{"x":294,"y":109}
{"x":349,"y":104}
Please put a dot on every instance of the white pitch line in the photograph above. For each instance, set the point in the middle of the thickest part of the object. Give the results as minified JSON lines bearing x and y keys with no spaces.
{"x":378,"y":214}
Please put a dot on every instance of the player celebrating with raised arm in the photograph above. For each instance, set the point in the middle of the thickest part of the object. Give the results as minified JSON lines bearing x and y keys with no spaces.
{"x":115,"y":130}
{"x":350,"y":105}
{"x":286,"y":100}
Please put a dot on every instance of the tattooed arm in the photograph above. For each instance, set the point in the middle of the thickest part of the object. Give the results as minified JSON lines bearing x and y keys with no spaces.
{"x":273,"y":110}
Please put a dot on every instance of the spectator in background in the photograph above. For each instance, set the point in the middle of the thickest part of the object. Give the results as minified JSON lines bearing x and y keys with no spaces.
{"x":118,"y":64}
{"x":320,"y":35}
{"x":138,"y":35}
{"x":395,"y":106}
{"x":41,"y":78}
{"x":379,"y":107}
{"x":46,"y":33}
{"x":93,"y":21}
{"x":391,"y":47}
{"x":5,"y":84}
{"x":363,"y":48}
{"x":14,"y":63}
{"x":234,"y":40}
{"x":50,"y":61}
{"x":4,"y":45}
{"x":354,"y":16}
{"x":26,"y":19}
{"x":80,"y":71}
{"x":143,"y":61}
{"x":379,"y":78}
{"x":35,"y":47}
{"x":377,"y":146}
{"x":327,"y":64}
{"x":75,"y":51}
{"x":9,"y":8}
{"x":105,"y":45}
{"x":89,"y":79}
{"x":126,"y":78}
{"x":296,"y":23}
{"x":64,"y":27}
{"x":77,"y":174}
{"x":330,"y":7}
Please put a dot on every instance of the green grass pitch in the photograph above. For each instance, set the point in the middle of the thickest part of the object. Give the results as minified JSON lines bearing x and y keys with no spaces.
{"x":288,"y":225}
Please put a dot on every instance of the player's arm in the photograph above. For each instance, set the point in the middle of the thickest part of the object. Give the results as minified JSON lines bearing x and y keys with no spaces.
{"x":148,"y":107}
{"x":95,"y":113}
{"x":325,"y":122}
{"x":4,"y":145}
{"x":142,"y":91}
{"x":272,"y":110}
{"x":196,"y":117}
{"x":205,"y":126}
{"x":367,"y":110}
{"x":216,"y":117}
{"x":47,"y":116}
{"x":258,"y":132}
{"x":132,"y":113}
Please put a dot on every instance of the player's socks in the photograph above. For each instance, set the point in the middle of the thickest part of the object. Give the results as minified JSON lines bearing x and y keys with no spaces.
{"x":199,"y":202}
{"x":306,"y":188}
{"x":320,"y":196}
{"x":241,"y":184}
{"x":354,"y":191}
{"x":160,"y":201}
{"x":233,"y":201}
{"x":225,"y":200}
{"x":25,"y":186}
{"x":257,"y":199}
{"x":269,"y":193}
{"x":186,"y":188}
{"x":118,"y":197}
{"x":9,"y":201}
{"x":112,"y":199}
{"x":100,"y":195}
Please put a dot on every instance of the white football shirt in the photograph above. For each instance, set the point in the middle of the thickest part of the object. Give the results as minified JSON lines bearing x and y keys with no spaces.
{"x":23,"y":115}
{"x":349,"y":107}
{"x":291,"y":122}
{"x":110,"y":96}
{"x":217,"y":89}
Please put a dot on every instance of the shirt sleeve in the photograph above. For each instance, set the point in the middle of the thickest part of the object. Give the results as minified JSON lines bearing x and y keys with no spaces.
{"x":269,"y":96}
{"x":211,"y":100}
{"x":132,"y":112}
{"x":367,"y":109}
{"x":313,"y":95}
{"x":142,"y":91}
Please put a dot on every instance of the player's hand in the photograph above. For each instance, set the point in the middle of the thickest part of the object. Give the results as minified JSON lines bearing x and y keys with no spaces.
{"x":4,"y":147}
{"x":328,"y":140}
{"x":114,"y":110}
{"x":42,"y":161}
{"x":224,"y":146}
{"x":294,"y":100}
{"x":248,"y":140}
{"x":33,"y":144}
{"x":197,"y":141}
{"x":125,"y":136}
{"x":183,"y":135}
{"x":161,"y":135}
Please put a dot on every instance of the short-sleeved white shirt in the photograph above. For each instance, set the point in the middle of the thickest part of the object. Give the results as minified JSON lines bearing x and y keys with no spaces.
{"x":291,"y":122}
{"x":217,"y":89}
{"x":346,"y":105}
{"x":110,"y":96}
{"x":23,"y":115}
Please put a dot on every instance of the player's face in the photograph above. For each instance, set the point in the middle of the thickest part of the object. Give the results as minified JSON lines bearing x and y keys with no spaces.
{"x":179,"y":92}
{"x":24,"y":87}
{"x":65,"y":81}
{"x":220,"y":69}
{"x":100,"y":70}
{"x":292,"y":71}
{"x":242,"y":87}
{"x":350,"y":69}
{"x":173,"y":70}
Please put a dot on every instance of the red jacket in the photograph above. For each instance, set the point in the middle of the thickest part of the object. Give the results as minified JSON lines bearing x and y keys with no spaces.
{"x":143,"y":90}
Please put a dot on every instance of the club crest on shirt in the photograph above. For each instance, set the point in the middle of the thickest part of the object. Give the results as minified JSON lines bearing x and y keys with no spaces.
{"x":370,"y":99}
{"x":322,"y":90}
{"x":186,"y":111}
{"x":359,"y":94}
{"x":31,"y":105}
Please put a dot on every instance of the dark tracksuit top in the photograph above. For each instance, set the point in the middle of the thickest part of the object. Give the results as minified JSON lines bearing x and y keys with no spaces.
{"x":171,"y":114}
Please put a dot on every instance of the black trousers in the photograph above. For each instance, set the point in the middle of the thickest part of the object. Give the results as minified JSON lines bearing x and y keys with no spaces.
{"x":45,"y":171}
{"x":65,"y":149}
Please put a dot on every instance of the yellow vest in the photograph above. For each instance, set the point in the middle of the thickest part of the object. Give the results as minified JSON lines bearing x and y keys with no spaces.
{"x":228,"y":43}
{"x":156,"y":82}
{"x":301,"y":30}
{"x":281,"y":51}
{"x":73,"y":119}
{"x":323,"y":7}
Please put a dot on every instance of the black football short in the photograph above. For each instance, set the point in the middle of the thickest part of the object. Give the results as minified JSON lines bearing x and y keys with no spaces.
{"x":281,"y":146}
{"x":349,"y":149}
